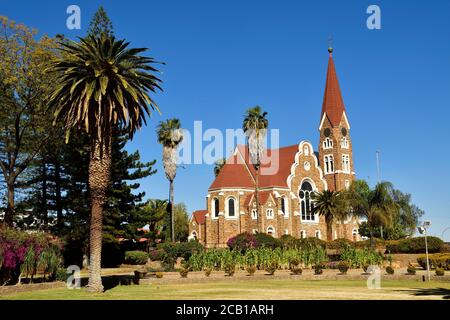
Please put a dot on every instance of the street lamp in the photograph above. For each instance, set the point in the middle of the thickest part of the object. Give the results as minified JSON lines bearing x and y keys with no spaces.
{"x":423,"y":230}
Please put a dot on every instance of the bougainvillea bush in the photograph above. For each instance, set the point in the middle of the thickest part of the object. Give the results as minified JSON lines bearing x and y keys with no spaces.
{"x":242,"y":242}
{"x":26,"y":254}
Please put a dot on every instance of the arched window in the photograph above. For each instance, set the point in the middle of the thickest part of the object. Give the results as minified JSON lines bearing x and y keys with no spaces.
{"x":305,"y":201}
{"x":269,"y":213}
{"x":254,"y":214}
{"x":302,"y":234}
{"x":346,"y":163}
{"x":194,"y":235}
{"x":215,"y":207}
{"x":344,"y":143}
{"x":270,"y":231}
{"x":231,"y":207}
{"x":327,"y":143}
{"x":329,"y":164}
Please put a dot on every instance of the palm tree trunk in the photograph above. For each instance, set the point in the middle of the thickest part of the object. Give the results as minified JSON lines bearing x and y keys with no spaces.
{"x":257,"y":200}
{"x":99,"y":175}
{"x":329,"y":230}
{"x":172,"y":218}
{"x":9,"y":212}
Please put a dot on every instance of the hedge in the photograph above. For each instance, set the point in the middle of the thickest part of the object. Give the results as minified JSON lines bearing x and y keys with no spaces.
{"x":437,"y":260}
{"x":136,"y":257}
{"x":415,"y":245}
{"x":171,"y":250}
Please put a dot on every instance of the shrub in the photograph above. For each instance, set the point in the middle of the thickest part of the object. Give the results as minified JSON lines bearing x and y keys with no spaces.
{"x":288,"y":242}
{"x":389,"y":270}
{"x":156,"y":255}
{"x":184,"y":272}
{"x":61,"y":275}
{"x":411,"y":270}
{"x":415,"y":245}
{"x":440,"y":272}
{"x":136,"y":257}
{"x":310,"y":243}
{"x":251,"y":269}
{"x":208,"y":271}
{"x":27,"y":253}
{"x":230,"y":268}
{"x":267,"y":241}
{"x":339,"y":244}
{"x":436,"y":260}
{"x":318,"y":268}
{"x":271,"y":267}
{"x":365,"y":267}
{"x":343,"y":267}
{"x":171,"y":251}
{"x":159,"y":275}
{"x":242,"y":242}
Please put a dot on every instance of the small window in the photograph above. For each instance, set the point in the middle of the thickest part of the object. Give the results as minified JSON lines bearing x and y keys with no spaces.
{"x":194,"y":235}
{"x":317,"y":234}
{"x":286,"y":231}
{"x":254,"y":231}
{"x":355,"y":234}
{"x":327,"y":143}
{"x":271,"y":231}
{"x":347,"y":184}
{"x":269,"y":213}
{"x":344,"y":143}
{"x":254,"y":214}
{"x":302,"y":234}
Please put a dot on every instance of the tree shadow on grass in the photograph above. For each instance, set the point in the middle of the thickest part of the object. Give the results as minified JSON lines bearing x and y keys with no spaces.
{"x":445,"y":293}
{"x":110,"y":282}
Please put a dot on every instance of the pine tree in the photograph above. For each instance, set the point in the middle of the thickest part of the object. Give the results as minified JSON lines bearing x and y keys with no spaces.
{"x":100,"y":24}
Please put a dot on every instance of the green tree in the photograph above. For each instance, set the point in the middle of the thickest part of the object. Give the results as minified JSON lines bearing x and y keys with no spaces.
{"x":24,"y":125}
{"x":332,"y":206}
{"x":377,"y":205}
{"x":181,"y":223}
{"x":102,"y":83}
{"x":255,"y":126}
{"x":218,"y":165}
{"x":100,"y":24}
{"x":170,"y":136}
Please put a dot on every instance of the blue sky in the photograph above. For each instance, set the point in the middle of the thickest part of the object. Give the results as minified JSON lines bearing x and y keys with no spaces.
{"x":225,"y":56}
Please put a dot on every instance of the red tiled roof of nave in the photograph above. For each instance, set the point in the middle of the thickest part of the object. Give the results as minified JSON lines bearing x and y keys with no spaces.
{"x":199,"y":216}
{"x":237,"y":174}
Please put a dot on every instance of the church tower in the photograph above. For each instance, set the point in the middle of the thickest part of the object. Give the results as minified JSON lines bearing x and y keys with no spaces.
{"x":335,"y":146}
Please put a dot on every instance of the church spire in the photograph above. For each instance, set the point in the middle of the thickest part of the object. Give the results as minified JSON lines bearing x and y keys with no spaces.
{"x":333,"y":104}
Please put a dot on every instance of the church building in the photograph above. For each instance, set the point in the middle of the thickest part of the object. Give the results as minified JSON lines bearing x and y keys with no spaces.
{"x":284,"y":195}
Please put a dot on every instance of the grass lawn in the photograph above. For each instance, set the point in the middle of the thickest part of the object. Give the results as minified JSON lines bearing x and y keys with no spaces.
{"x":255,"y":289}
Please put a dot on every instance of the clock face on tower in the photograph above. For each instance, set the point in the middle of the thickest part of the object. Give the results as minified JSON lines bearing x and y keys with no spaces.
{"x":344,"y":132}
{"x":327,"y":132}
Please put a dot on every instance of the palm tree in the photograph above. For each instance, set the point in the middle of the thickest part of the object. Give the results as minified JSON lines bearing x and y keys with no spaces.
{"x":331,"y":205}
{"x":218,"y":165}
{"x":255,"y":127}
{"x":377,"y":206}
{"x":170,"y":136}
{"x":102,"y":84}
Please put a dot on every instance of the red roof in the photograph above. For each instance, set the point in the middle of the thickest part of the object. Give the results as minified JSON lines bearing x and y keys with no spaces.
{"x":263,"y":197}
{"x":199,"y":216}
{"x":333,"y":104}
{"x":237,"y":173}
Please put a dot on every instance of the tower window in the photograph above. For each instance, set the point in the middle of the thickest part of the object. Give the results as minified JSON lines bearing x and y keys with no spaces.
{"x":329,"y":164}
{"x":344,"y":143}
{"x":327,"y":143}
{"x":346,"y":163}
{"x":284,"y":206}
{"x":305,"y":201}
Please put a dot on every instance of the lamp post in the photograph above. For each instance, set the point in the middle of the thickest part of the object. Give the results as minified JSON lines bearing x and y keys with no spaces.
{"x":423,"y":230}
